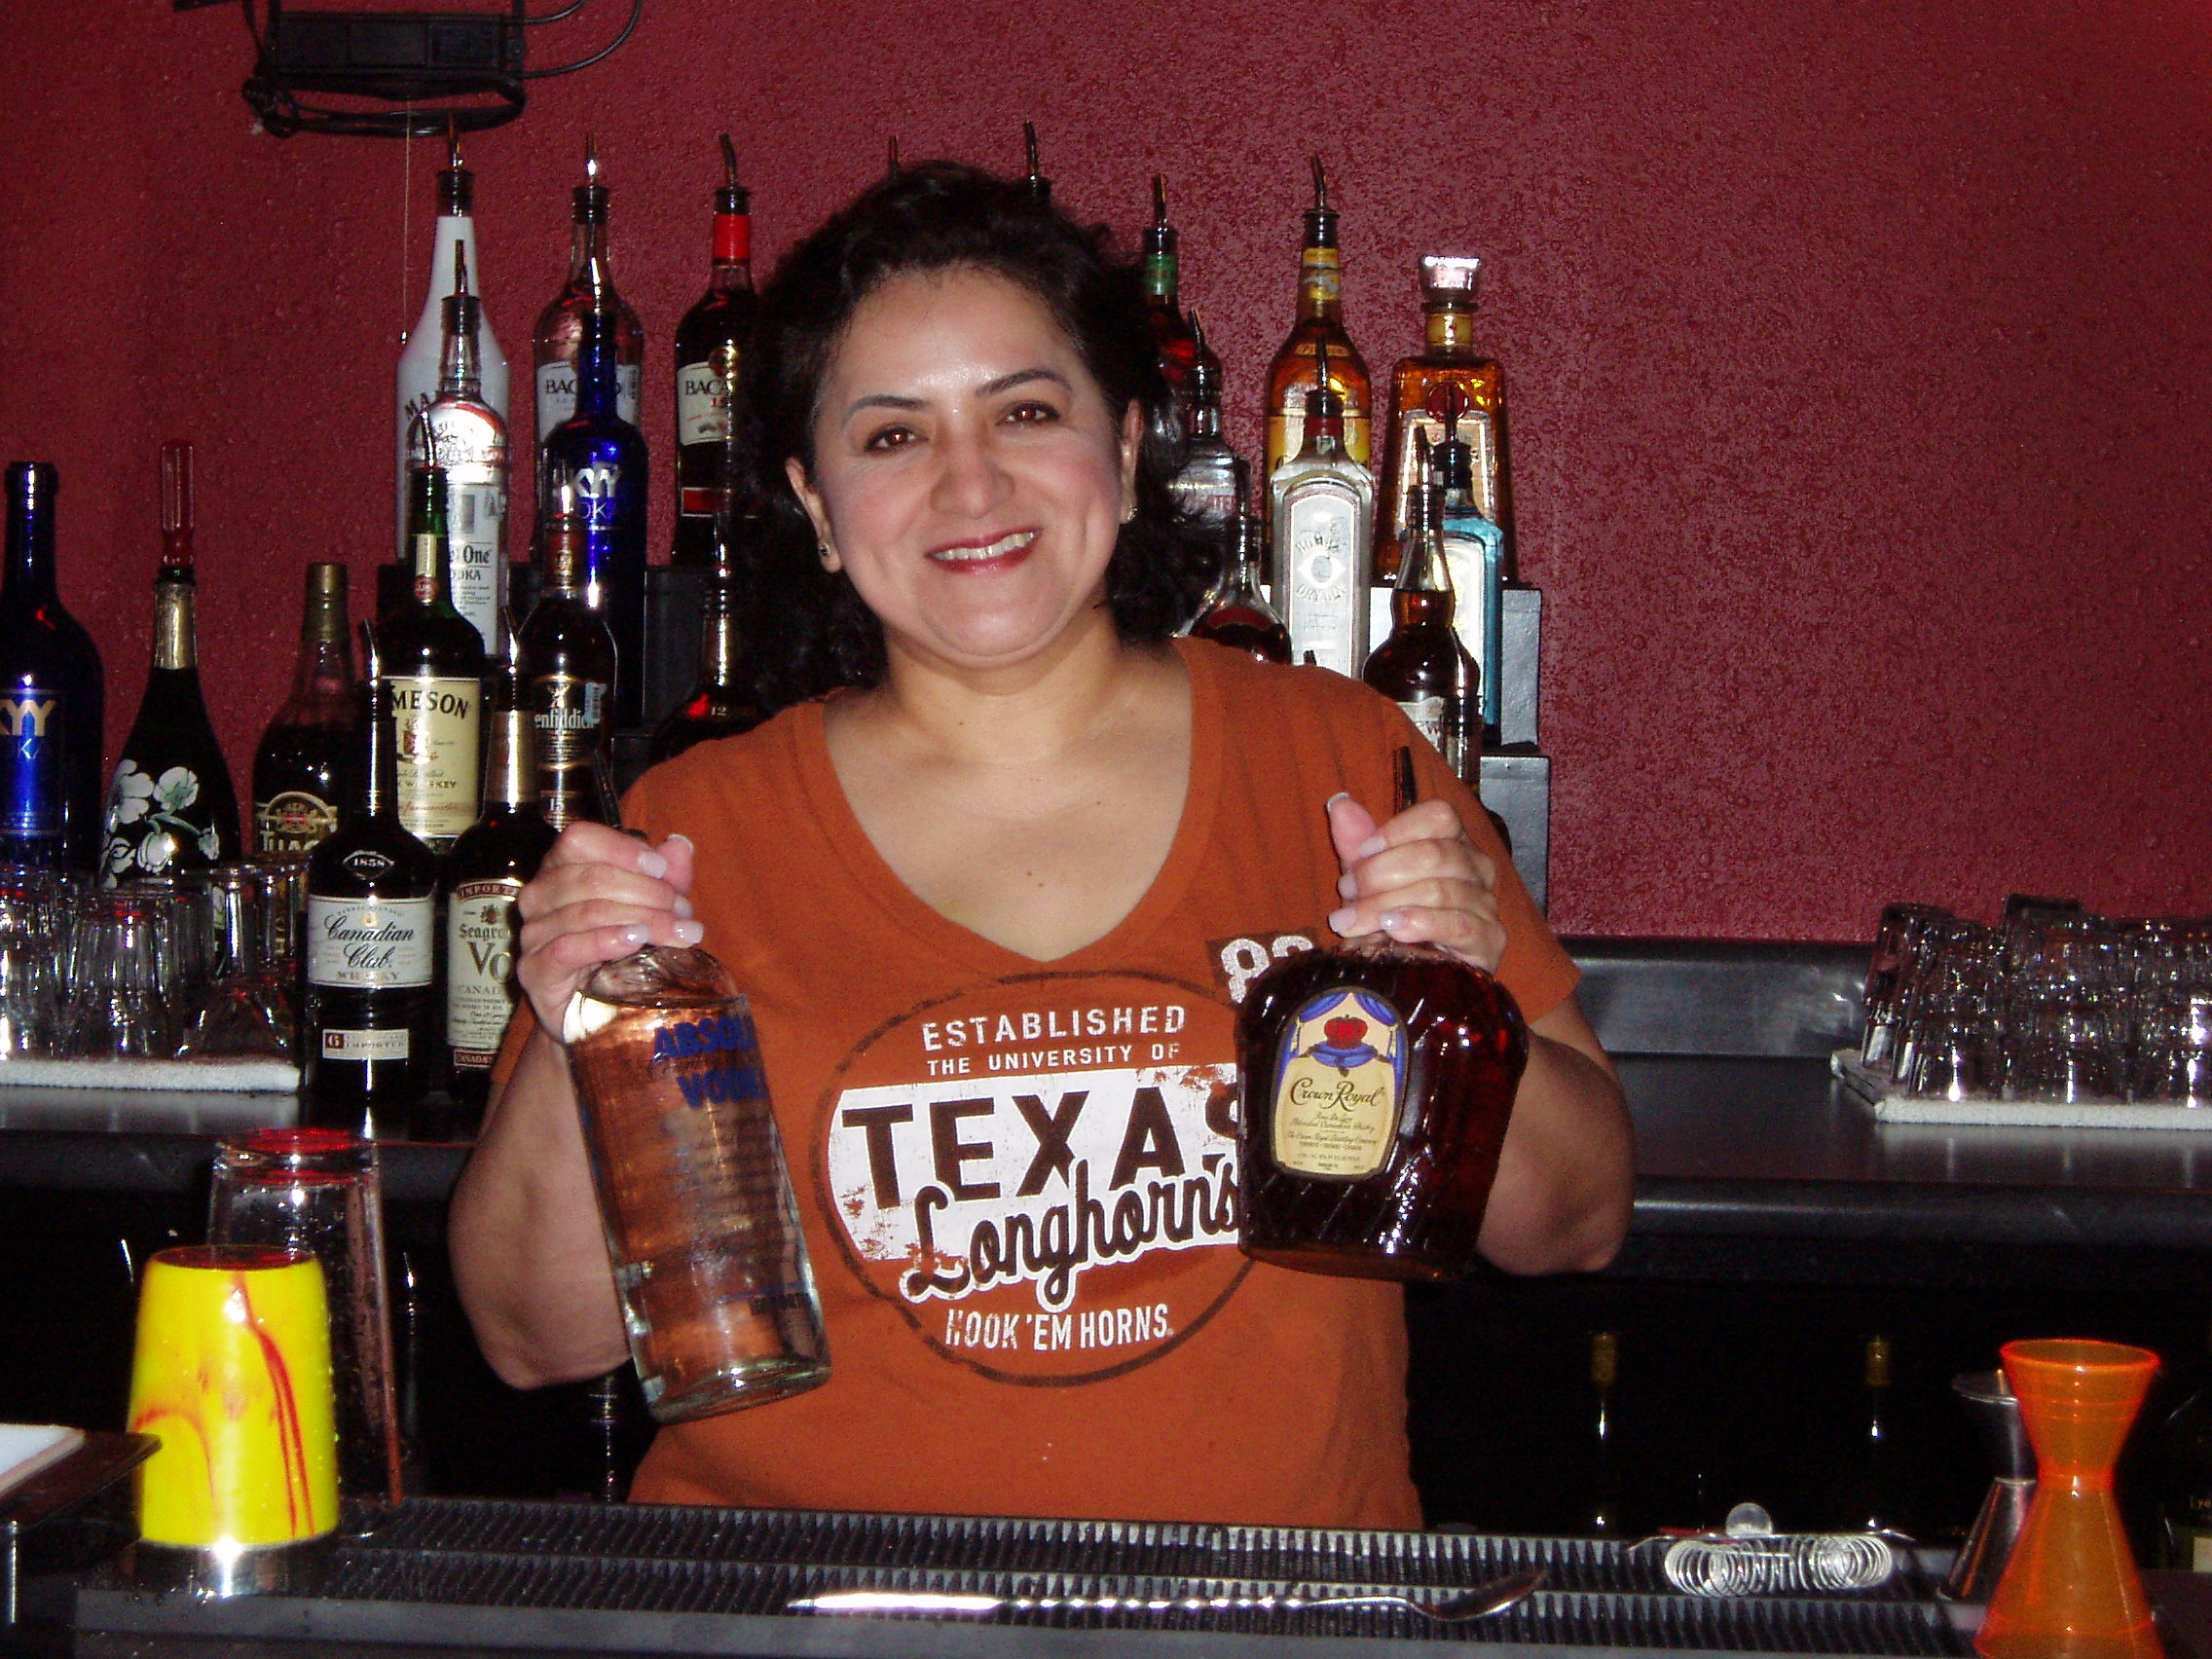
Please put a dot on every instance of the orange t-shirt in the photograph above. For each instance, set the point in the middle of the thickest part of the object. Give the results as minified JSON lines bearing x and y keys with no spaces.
{"x":1018,"y":1177}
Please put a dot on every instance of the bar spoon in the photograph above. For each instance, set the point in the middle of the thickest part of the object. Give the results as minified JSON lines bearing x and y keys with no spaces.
{"x":1459,"y":1607}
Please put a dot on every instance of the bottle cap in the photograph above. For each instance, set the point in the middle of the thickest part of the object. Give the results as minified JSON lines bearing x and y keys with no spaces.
{"x":457,"y":185}
{"x":1450,"y":279}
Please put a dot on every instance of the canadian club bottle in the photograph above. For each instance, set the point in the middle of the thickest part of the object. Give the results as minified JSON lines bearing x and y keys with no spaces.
{"x":1422,"y":667}
{"x":602,"y":456}
{"x":434,"y":658}
{"x":1378,"y":1080}
{"x":710,"y":343}
{"x":365,"y":1017}
{"x":481,"y":876}
{"x":590,"y":287}
{"x":171,"y":807}
{"x":1291,"y":377}
{"x":720,"y":705}
{"x":1240,"y":616}
{"x":51,"y":695}
{"x":466,"y":439}
{"x":422,"y":362}
{"x":299,"y":769}
{"x":568,"y":668}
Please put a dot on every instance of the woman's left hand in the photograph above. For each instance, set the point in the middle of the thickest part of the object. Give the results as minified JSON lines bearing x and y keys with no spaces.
{"x":1416,"y":878}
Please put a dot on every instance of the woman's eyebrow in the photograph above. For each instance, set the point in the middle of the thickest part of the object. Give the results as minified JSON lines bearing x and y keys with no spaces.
{"x":1022,"y":377}
{"x":882,"y":400}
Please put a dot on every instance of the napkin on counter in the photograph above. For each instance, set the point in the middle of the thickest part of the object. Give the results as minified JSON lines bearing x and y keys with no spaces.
{"x":26,"y":1448}
{"x":208,"y":1077}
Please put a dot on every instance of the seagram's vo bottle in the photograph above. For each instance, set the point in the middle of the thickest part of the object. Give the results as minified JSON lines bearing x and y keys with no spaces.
{"x":718,"y":1295}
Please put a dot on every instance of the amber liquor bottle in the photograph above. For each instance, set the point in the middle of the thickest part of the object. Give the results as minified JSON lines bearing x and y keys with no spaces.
{"x":365,"y":1017}
{"x":720,"y":704}
{"x":590,"y":287}
{"x":1378,"y":1081}
{"x":710,"y":343}
{"x":299,"y":769}
{"x":1419,"y":404}
{"x":1291,"y":377}
{"x":568,"y":668}
{"x":1422,"y":667}
{"x":482,"y":877}
{"x":1239,"y":616}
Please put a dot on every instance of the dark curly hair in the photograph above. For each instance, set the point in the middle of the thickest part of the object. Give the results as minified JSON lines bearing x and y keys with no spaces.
{"x":807,"y":631}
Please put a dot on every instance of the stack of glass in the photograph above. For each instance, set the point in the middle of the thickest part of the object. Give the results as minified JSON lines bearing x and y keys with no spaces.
{"x":2053,"y":1004}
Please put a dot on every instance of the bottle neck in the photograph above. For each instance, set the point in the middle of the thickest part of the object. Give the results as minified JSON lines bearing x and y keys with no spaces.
{"x":588,"y":270}
{"x":1206,"y":419}
{"x":733,"y":253}
{"x":719,"y":646}
{"x":510,"y":767}
{"x":1163,"y":269}
{"x":30,"y":537}
{"x":461,"y":371}
{"x":564,"y":559}
{"x":427,"y":537}
{"x":1449,"y":333}
{"x":1324,"y":437}
{"x":1244,"y":556}
{"x":376,"y":784}
{"x":1320,"y":270}
{"x":595,"y":366}
{"x":174,"y":647}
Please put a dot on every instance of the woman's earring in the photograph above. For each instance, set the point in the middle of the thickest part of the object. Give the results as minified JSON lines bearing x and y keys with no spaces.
{"x":827,"y":558}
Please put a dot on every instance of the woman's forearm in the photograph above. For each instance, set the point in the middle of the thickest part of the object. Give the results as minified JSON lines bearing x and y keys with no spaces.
{"x":1566,"y":1178}
{"x":528,"y":1256}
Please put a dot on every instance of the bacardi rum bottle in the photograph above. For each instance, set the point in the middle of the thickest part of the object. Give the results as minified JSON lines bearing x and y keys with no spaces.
{"x":590,"y":287}
{"x":710,"y":343}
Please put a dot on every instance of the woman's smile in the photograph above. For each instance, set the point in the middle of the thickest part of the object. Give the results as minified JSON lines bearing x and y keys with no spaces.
{"x":1002,"y":553}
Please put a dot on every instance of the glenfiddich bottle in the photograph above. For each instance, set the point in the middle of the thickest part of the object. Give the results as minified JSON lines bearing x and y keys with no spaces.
{"x":1422,"y":667}
{"x":720,"y":705}
{"x":1448,"y":359}
{"x":478,"y":886}
{"x":590,"y":287}
{"x":469,"y":439}
{"x":1173,"y":336}
{"x":1208,"y":486}
{"x":51,"y":695}
{"x":1291,"y":377}
{"x":567,"y":670}
{"x":434,"y":658}
{"x":299,"y":769}
{"x":1377,"y":1079}
{"x":710,"y":343}
{"x":1240,"y":616}
{"x":171,"y":807}
{"x":422,"y":362}
{"x":365,"y":1017}
{"x":1323,"y":513}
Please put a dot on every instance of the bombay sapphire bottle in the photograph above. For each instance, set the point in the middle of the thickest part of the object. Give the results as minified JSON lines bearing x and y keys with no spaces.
{"x":604,"y":457}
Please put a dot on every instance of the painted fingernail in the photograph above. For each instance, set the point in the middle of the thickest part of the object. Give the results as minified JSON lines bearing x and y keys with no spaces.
{"x":679,"y":835}
{"x":1330,"y":806}
{"x":682,"y":906}
{"x":689,"y":933}
{"x":631,"y":936}
{"x":1339,"y":921}
{"x":653,"y":865}
{"x":1368,"y":848}
{"x":1347,"y":887}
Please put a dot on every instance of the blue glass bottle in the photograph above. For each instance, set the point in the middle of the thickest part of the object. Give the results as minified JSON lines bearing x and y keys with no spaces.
{"x":52,"y":789}
{"x":1474,"y":552}
{"x":605,"y":457}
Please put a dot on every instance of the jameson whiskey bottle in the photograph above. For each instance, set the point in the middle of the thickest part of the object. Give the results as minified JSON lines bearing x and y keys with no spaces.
{"x":467,"y":438}
{"x":1323,"y":513}
{"x":478,"y":887}
{"x":171,"y":807}
{"x":298,"y":771}
{"x":720,"y":705}
{"x":567,"y":661}
{"x":590,"y":287}
{"x":1173,"y":336}
{"x":434,"y":658}
{"x":1240,"y":616}
{"x":710,"y":343}
{"x":422,"y":362}
{"x":1419,"y":386}
{"x":51,"y":695}
{"x":1291,"y":377}
{"x":1421,"y":667}
{"x":365,"y":1015}
{"x":1378,"y":1082}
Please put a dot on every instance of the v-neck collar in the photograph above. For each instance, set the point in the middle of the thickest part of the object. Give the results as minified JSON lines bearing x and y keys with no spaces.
{"x":842,"y":832}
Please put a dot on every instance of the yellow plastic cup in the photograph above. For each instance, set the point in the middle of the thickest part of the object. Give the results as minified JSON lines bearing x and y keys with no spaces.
{"x":232,"y":1374}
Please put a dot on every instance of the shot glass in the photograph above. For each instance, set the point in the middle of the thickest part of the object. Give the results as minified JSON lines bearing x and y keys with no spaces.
{"x":1895,"y":936}
{"x":2066,"y":1037}
{"x":117,"y":978}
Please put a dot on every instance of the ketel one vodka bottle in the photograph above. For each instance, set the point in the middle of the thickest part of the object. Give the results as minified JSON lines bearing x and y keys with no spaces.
{"x":435,"y":661}
{"x":590,"y":287}
{"x":1379,"y":1079}
{"x":365,"y":1017}
{"x":1323,"y":516}
{"x":297,"y":771}
{"x":567,"y":678}
{"x":51,"y":693}
{"x":701,"y":1222}
{"x":422,"y":362}
{"x":710,"y":342}
{"x":481,"y":876}
{"x":469,"y":440}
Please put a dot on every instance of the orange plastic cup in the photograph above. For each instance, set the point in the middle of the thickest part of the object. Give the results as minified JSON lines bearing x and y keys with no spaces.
{"x":232,"y":1373}
{"x":2069,"y":1590}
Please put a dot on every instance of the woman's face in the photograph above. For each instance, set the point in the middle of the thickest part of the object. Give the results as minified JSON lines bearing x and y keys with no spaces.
{"x":968,"y":476}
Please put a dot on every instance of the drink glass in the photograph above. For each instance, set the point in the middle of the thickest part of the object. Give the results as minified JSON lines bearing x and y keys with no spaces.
{"x":718,"y":1295}
{"x":30,"y":1004}
{"x":1894,"y":937}
{"x":231,"y":1371}
{"x":1952,"y":1046}
{"x":116,"y":978}
{"x":2172,"y":1060}
{"x":317,"y":1192}
{"x":2066,"y":1039}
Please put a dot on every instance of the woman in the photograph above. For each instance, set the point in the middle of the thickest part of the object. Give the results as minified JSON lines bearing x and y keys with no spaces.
{"x":995,"y":899}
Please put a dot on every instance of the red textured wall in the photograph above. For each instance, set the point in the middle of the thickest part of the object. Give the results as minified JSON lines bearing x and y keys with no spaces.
{"x":1858,"y":356}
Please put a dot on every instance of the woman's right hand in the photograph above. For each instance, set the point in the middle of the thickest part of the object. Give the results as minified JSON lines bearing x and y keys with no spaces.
{"x":599,"y":895}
